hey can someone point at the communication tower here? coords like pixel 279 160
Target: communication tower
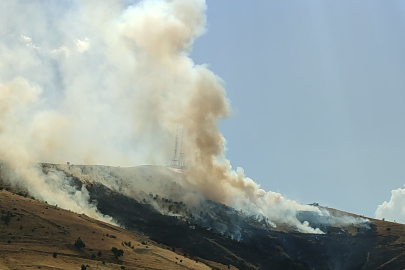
pixel 178 159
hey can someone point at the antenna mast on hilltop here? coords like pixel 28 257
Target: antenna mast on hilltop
pixel 182 158
pixel 175 161
pixel 178 160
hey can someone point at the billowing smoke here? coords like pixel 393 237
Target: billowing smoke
pixel 103 82
pixel 393 210
pixel 18 149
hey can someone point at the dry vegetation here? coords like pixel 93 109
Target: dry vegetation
pixel 35 235
pixel 36 231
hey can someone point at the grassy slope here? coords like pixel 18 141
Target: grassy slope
pixel 38 230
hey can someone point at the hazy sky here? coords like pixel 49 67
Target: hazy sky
pixel 317 90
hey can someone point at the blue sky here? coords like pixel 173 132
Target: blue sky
pixel 317 91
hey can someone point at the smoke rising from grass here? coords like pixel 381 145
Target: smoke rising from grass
pixel 99 82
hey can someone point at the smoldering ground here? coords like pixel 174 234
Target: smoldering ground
pixel 95 82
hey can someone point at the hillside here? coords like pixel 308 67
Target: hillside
pixel 153 204
pixel 37 230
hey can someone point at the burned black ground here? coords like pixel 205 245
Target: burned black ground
pixel 227 236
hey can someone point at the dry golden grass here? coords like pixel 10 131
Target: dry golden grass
pixel 38 230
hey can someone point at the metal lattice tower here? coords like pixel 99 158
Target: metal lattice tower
pixel 174 158
pixel 182 157
pixel 179 157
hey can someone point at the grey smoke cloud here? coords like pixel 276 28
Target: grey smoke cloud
pixel 95 82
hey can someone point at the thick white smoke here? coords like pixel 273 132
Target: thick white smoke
pixel 395 208
pixel 100 82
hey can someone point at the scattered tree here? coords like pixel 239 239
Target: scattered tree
pixel 55 254
pixel 99 253
pixel 6 218
pixel 388 229
pixel 83 267
pixel 93 256
pixel 79 243
pixel 117 252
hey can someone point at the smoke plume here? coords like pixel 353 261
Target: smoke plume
pixel 104 82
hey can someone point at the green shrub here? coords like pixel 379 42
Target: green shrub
pixel 93 256
pixel 6 218
pixel 55 254
pixel 83 267
pixel 128 244
pixel 79 243
pixel 22 194
pixel 117 252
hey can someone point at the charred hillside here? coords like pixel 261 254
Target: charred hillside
pixel 154 202
pixel 259 248
pixel 193 239
pixel 219 233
